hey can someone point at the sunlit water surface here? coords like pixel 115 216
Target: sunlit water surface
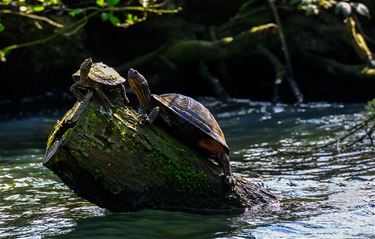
pixel 325 193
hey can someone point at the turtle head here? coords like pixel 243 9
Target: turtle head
pixel 139 85
pixel 84 69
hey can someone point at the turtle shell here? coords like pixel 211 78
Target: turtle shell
pixel 104 74
pixel 194 120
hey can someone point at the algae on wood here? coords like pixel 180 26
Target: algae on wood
pixel 120 165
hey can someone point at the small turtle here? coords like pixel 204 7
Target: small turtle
pixel 95 76
pixel 186 116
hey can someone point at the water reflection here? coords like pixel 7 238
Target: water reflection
pixel 151 224
pixel 326 193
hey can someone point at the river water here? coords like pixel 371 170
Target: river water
pixel 325 192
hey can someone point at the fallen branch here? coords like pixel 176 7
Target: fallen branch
pixel 364 125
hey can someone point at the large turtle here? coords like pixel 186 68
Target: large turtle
pixel 96 76
pixel 186 116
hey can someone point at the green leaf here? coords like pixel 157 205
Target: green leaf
pixel 6 2
pixel 344 9
pixel 2 56
pixel 361 9
pixel 100 3
pixel 7 49
pixel 38 8
pixel 75 11
pixel 104 16
pixel 112 2
pixel 130 19
pixel 2 27
pixel 114 20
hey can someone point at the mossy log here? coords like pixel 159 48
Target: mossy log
pixel 117 164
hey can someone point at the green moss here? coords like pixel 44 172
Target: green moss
pixel 116 127
pixel 67 133
pixel 87 145
pixel 166 157
pixel 121 130
pixel 91 115
pixel 61 126
pixel 52 136
pixel 179 172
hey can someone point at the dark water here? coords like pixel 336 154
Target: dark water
pixel 326 194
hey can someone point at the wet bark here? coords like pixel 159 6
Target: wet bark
pixel 120 165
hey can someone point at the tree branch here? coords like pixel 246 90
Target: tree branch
pixel 32 16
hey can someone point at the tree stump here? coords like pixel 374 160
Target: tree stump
pixel 118 164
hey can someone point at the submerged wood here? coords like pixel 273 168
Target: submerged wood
pixel 117 164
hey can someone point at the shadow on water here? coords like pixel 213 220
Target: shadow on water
pixel 325 193
pixel 151 224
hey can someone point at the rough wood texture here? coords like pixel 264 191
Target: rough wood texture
pixel 120 165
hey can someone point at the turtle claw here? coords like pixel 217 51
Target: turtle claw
pixel 144 120
pixel 230 181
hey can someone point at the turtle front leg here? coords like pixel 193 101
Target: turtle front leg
pixel 223 160
pixel 104 99
pixel 123 94
pixel 148 118
pixel 75 90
